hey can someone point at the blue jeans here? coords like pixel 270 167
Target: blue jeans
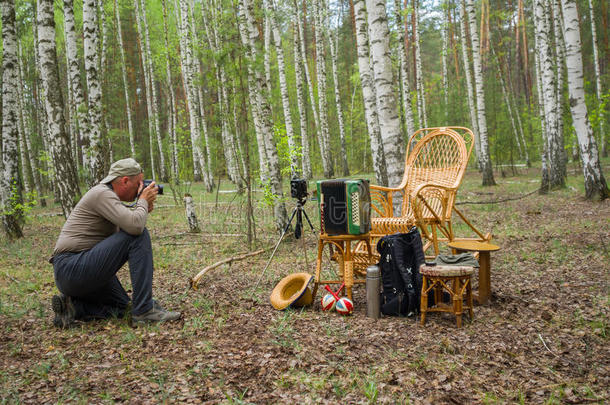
pixel 89 277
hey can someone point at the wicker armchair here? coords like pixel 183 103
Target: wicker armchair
pixel 434 169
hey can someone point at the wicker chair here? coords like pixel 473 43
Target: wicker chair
pixel 434 169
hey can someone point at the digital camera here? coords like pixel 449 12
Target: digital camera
pixel 159 186
pixel 298 188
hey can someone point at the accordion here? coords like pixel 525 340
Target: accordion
pixel 345 206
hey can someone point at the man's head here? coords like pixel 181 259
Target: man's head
pixel 125 176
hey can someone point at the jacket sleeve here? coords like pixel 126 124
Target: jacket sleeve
pixel 131 220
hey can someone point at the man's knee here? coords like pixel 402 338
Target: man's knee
pixel 141 240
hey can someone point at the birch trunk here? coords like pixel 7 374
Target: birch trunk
pixel 421 92
pixel 320 33
pixel 404 74
pixel 10 188
pixel 549 95
pixel 66 182
pixel 560 56
pixel 488 177
pixel 132 144
pixel 472 106
pixel 298 72
pixel 389 121
pixel 544 181
pixel 368 93
pixel 312 98
pixel 598 81
pixel 170 100
pixel 91 48
pixel 261 112
pixel 444 52
pixel 595 183
pixel 292 146
pixel 81 118
pixel 334 41
pixel 21 126
pixel 155 97
pixel 199 163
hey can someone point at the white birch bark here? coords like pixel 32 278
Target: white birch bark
pixel 389 121
pixel 10 187
pixel 595 183
pixel 472 105
pixel 132 144
pixel 298 72
pixel 404 73
pixel 261 111
pixel 66 182
pixel 544 181
pixel 369 93
pixel 334 42
pixel 21 126
pixel 444 53
pixel 324 140
pixel 292 145
pixel 170 100
pixel 155 97
pixel 76 90
pixel 267 51
pixel 559 89
pixel 199 164
pixel 549 95
pixel 598 79
pixel 91 48
pixel 421 91
pixel 486 167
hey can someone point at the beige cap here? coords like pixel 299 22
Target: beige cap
pixel 123 167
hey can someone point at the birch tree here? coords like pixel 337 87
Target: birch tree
pixel 485 159
pixel 595 183
pixel 10 187
pixel 81 118
pixel 598 80
pixel 119 33
pixel 472 106
pixel 298 73
pixel 421 92
pixel 549 96
pixel 334 39
pixel 91 48
pixel 369 94
pixel 389 121
pixel 404 73
pixel 170 99
pixel 261 113
pixel 66 182
pixel 319 27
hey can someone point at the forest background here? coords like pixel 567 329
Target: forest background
pixel 261 91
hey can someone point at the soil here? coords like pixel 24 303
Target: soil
pixel 544 338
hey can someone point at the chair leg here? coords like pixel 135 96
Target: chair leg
pixel 457 301
pixel 424 300
pixel 469 298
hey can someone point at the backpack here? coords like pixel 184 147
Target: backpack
pixel 401 255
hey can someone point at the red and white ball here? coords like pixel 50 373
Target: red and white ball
pixel 328 302
pixel 345 306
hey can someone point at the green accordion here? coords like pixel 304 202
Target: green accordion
pixel 344 206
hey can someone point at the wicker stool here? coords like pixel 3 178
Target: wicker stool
pixel 437 278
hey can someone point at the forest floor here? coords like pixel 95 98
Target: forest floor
pixel 544 338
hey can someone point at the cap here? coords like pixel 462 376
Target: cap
pixel 123 167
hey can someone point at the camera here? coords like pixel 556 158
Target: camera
pixel 159 186
pixel 298 188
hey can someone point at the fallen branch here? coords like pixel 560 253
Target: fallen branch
pixel 497 201
pixel 195 280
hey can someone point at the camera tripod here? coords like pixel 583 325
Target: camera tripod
pixel 297 212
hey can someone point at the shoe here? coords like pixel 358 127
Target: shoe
pixel 156 314
pixel 64 311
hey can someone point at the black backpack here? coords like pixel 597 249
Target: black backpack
pixel 401 255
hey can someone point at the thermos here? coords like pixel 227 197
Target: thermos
pixel 373 297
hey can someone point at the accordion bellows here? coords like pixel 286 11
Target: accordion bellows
pixel 345 206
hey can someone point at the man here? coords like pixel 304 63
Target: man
pixel 100 235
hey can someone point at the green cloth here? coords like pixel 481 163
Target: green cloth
pixel 463 259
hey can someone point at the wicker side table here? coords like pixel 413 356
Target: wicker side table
pixel 343 246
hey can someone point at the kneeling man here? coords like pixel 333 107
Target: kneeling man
pixel 100 235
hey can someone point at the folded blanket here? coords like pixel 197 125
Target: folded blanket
pixel 463 259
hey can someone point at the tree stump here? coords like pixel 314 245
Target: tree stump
pixel 191 217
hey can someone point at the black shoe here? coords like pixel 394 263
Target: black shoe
pixel 64 311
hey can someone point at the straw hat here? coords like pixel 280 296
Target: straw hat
pixel 292 290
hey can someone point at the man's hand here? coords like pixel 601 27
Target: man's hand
pixel 149 194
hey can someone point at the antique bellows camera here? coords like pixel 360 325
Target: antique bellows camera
pixel 298 188
pixel 345 206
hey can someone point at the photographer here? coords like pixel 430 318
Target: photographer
pixel 100 235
